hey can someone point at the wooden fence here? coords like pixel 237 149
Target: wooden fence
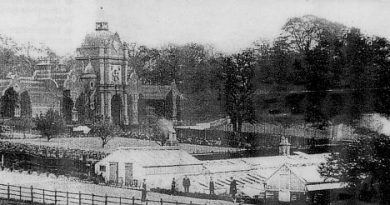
pixel 44 196
pixel 266 128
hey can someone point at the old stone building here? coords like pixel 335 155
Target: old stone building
pixel 100 85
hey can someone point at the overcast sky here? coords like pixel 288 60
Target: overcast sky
pixel 228 25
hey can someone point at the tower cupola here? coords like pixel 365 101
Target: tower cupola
pixel 101 23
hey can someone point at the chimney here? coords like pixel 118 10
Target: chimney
pixel 284 146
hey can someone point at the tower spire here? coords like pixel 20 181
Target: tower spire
pixel 101 23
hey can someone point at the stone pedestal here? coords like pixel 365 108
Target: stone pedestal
pixel 284 146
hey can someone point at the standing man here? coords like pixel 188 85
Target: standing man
pixel 173 186
pixel 233 188
pixel 211 186
pixel 185 185
pixel 188 184
pixel 143 197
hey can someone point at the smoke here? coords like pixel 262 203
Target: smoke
pixel 165 126
pixel 376 122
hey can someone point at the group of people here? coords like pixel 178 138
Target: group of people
pixel 187 184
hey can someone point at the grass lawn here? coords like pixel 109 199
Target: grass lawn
pixel 93 143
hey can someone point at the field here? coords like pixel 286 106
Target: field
pixel 91 143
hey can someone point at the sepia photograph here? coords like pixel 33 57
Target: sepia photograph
pixel 194 102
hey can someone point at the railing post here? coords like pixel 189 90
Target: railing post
pixel 190 202
pixel 93 199
pixel 67 198
pixel 79 198
pixel 161 201
pixel 43 196
pixel 20 193
pixel 8 191
pixel 32 194
pixel 55 197
pixel 177 203
pixel 105 200
pixel 120 200
pixel 132 199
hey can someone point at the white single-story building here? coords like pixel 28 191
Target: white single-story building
pixel 159 165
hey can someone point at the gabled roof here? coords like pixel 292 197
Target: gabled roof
pixel 153 157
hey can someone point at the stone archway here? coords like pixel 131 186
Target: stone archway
pixel 25 105
pixel 9 101
pixel 116 106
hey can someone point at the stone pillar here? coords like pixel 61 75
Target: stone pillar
pixel 134 106
pixel 108 101
pixel 101 65
pixel 174 106
pixel 126 110
pixel 102 104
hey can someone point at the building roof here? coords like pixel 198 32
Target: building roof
pixel 265 163
pixel 153 157
pixel 98 38
pixel 326 186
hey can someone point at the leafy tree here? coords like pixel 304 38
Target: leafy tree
pixel 239 90
pixel 364 165
pixel 50 124
pixel 105 131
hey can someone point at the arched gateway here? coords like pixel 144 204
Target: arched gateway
pixel 100 85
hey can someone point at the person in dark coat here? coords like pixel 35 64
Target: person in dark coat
pixel 143 197
pixel 233 188
pixel 186 184
pixel 211 186
pixel 173 186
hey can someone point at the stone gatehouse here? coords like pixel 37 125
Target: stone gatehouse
pixel 101 84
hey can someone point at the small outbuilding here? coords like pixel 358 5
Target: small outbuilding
pixel 159 165
pixel 300 185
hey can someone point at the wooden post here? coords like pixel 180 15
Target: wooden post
pixel 32 194
pixel 8 194
pixel 79 198
pixel 133 199
pixel 190 202
pixel 20 193
pixel 120 200
pixel 161 201
pixel 177 203
pixel 67 198
pixel 43 196
pixel 105 200
pixel 93 199
pixel 55 197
